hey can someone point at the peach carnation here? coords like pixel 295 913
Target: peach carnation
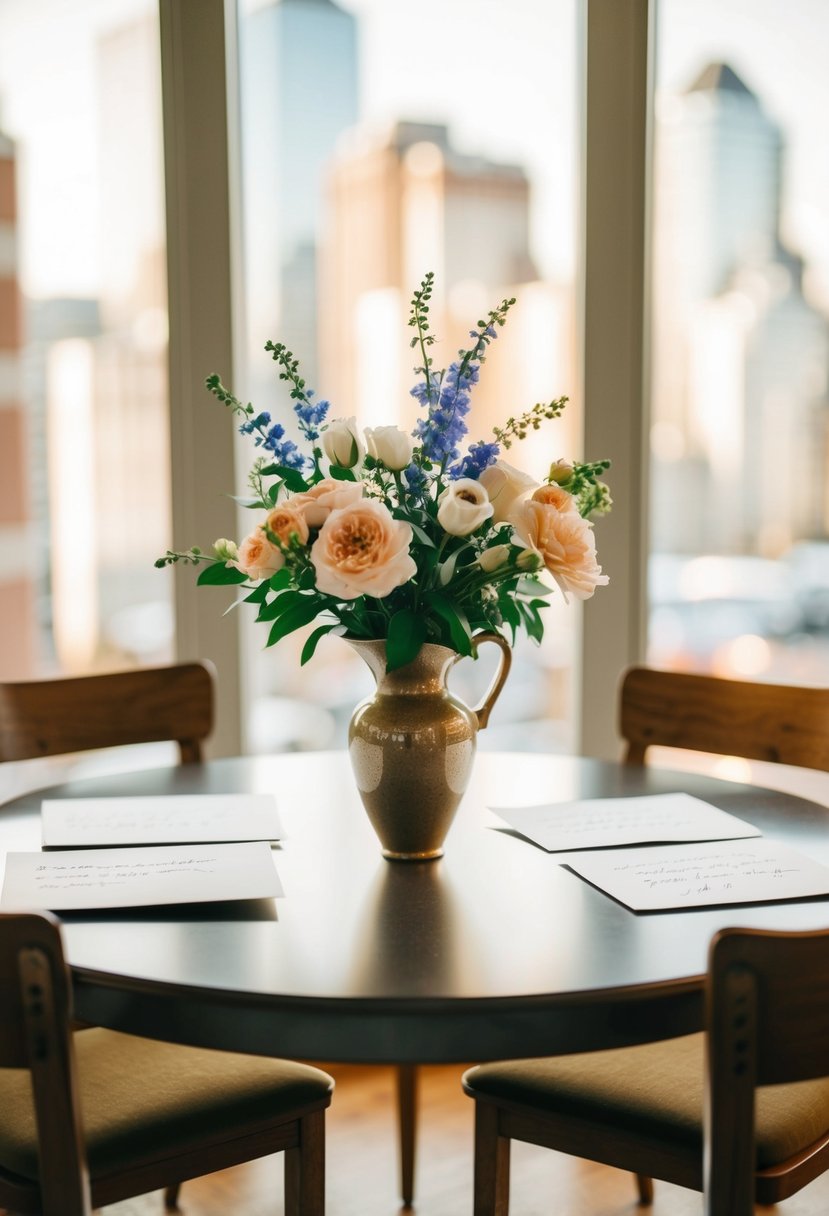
pixel 565 544
pixel 362 550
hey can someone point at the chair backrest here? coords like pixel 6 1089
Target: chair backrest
pixel 768 1022
pixel 774 722
pixel 147 705
pixel 35 1008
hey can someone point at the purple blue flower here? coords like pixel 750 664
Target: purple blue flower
pixel 479 457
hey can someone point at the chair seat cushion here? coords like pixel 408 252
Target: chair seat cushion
pixel 654 1090
pixel 140 1098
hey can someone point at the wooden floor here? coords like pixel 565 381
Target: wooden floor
pixel 361 1167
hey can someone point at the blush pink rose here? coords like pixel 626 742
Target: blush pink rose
pixel 554 496
pixel 257 557
pixel 565 543
pixel 286 521
pixel 362 550
pixel 326 496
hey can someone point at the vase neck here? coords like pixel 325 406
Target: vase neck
pixel 426 674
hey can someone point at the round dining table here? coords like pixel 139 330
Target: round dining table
pixel 496 950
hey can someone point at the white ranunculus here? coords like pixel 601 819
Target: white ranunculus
pixel 341 443
pixel 463 507
pixel 391 445
pixel 505 486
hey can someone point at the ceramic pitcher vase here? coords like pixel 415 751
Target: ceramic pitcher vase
pixel 412 745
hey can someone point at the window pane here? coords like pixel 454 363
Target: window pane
pixel 84 483
pixel 381 142
pixel 740 565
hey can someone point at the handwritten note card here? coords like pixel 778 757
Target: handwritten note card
pixel 698 875
pixel 139 877
pixel 178 819
pixel 607 822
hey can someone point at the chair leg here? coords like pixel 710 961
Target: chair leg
pixel 407 1124
pixel 171 1197
pixel 305 1169
pixel 645 1187
pixel 491 1164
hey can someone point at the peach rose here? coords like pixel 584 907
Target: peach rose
pixel 286 521
pixel 505 485
pixel 326 496
pixel 258 558
pixel 554 496
pixel 565 543
pixel 362 550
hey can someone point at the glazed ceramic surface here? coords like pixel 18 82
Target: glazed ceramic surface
pixel 412 745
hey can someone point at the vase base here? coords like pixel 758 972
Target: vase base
pixel 427 855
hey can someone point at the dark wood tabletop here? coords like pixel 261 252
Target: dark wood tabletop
pixel 495 950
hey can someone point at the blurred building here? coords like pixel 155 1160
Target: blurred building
pixel 299 88
pixel 404 202
pixel 18 647
pixel 740 381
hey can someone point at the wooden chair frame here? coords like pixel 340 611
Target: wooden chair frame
pixel 767 1016
pixel 777 723
pixel 149 705
pixel 35 1034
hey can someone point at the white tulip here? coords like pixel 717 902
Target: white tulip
pixel 391 445
pixel 341 443
pixel 494 558
pixel 463 507
pixel 505 486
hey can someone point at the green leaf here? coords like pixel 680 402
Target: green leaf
pixel 250 503
pixel 300 614
pixel 293 479
pixel 420 533
pixel 279 604
pixel 219 574
pixel 407 633
pixel 460 631
pixel 340 474
pixel 258 595
pixel 446 569
pixel 532 586
pixel 280 580
pixel 311 644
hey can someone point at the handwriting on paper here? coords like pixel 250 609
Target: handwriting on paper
pixel 136 877
pixel 690 876
pixel 608 822
pixel 175 819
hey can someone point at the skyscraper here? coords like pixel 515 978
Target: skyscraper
pixel 740 374
pixel 299 93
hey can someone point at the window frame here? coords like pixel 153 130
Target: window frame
pixel 200 94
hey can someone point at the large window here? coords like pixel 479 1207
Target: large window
pixel 84 465
pixel 380 142
pixel 740 520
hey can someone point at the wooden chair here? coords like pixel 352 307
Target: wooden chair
pixel 772 722
pixel 688 1110
pixel 93 1118
pixel 148 705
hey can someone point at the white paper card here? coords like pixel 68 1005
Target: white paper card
pixel 177 819
pixel 697 875
pixel 81 879
pixel 601 823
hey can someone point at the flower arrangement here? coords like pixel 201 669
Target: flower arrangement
pixel 396 536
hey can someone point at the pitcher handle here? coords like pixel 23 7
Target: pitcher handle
pixel 484 709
